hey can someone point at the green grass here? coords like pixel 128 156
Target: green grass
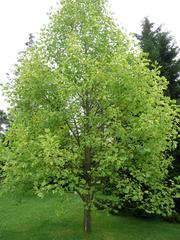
pixel 56 218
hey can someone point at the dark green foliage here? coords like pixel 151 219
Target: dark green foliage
pixel 4 124
pixel 161 48
pixel 138 196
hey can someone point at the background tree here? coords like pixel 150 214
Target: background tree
pixel 84 106
pixel 161 48
pixel 4 123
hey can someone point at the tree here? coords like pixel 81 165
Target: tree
pixel 84 105
pixel 161 48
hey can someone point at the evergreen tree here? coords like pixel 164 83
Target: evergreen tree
pixel 161 48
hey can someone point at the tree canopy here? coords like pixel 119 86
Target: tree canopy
pixel 162 49
pixel 85 105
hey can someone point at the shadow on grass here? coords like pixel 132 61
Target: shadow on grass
pixel 54 219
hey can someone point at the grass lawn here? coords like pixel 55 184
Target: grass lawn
pixel 57 218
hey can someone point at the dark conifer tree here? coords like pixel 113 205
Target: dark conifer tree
pixel 162 49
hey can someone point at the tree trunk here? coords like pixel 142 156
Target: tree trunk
pixel 87 220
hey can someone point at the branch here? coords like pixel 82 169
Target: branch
pixel 76 128
pixel 75 136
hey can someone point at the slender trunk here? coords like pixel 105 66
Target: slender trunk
pixel 87 220
pixel 87 196
pixel 87 174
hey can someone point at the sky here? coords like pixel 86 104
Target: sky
pixel 18 18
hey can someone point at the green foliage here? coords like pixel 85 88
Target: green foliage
pixel 139 195
pixel 85 105
pixel 162 49
pixel 4 124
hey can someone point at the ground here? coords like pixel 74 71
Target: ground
pixel 60 218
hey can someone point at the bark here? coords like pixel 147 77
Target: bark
pixel 87 175
pixel 87 197
pixel 87 220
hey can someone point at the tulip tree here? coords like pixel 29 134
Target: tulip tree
pixel 85 105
